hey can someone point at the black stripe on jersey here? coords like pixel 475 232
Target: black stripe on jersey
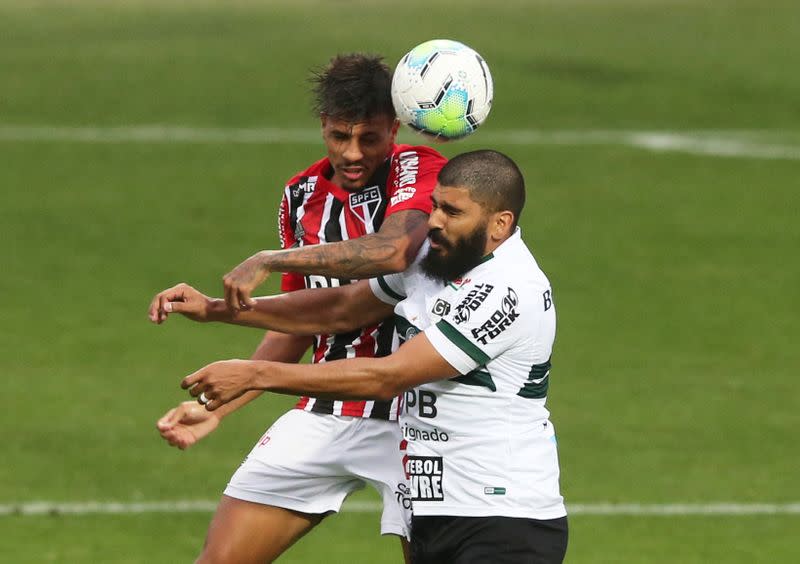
pixel 384 338
pixel 333 230
pixel 380 178
pixel 322 406
pixel 297 196
pixel 381 410
pixel 338 348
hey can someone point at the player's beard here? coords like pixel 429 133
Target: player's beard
pixel 461 257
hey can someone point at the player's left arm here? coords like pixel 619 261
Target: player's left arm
pixel 414 363
pixel 391 249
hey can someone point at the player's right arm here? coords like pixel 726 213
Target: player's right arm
pixel 189 422
pixel 303 312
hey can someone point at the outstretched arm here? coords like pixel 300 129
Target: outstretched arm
pixel 392 249
pixel 415 363
pixel 304 312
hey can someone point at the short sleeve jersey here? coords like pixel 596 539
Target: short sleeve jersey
pixel 314 210
pixel 481 443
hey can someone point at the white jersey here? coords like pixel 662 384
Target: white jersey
pixel 481 444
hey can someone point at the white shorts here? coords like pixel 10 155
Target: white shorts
pixel 310 462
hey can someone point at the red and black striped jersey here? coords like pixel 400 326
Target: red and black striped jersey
pixel 314 211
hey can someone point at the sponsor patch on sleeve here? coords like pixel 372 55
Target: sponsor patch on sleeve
pixel 500 320
pixel 472 302
pixel 403 194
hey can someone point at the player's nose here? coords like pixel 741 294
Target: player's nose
pixel 353 152
pixel 436 219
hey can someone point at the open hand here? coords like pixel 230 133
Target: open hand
pixel 186 424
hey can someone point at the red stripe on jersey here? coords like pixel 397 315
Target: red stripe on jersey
pixel 320 348
pixel 366 345
pixel 353 408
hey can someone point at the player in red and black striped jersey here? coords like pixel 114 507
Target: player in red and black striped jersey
pixel 315 210
pixel 359 213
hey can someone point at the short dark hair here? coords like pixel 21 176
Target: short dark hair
pixel 353 87
pixel 492 178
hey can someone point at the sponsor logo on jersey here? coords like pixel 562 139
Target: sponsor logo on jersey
pixel 425 476
pixel 472 302
pixel 403 495
pixel 440 308
pixel 410 332
pixel 304 187
pixel 299 233
pixel 500 320
pixel 432 435
pixel 365 203
pixel 494 491
pixel 547 298
pixel 405 330
pixel 403 194
pixel 423 402
pixel 407 168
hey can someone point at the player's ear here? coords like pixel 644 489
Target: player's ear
pixel 501 225
pixel 323 119
pixel 395 128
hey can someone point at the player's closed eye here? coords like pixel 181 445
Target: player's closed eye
pixel 450 210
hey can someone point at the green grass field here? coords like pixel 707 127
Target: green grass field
pixel 674 259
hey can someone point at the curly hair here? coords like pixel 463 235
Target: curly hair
pixel 353 87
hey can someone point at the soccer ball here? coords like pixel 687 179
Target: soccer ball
pixel 443 89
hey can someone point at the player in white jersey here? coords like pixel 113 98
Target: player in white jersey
pixel 478 320
pixel 496 326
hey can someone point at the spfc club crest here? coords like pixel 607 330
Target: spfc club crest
pixel 365 203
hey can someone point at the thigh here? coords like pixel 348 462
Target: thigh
pixel 245 532
pixel 374 455
pixel 488 540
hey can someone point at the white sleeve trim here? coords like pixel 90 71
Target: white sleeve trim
pixel 382 289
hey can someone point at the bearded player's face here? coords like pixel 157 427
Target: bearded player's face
pixel 357 149
pixel 457 234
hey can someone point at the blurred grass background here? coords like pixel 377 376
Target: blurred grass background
pixel 675 274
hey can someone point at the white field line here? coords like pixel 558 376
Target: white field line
pixel 206 506
pixel 741 144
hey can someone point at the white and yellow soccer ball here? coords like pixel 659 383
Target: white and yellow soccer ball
pixel 443 89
